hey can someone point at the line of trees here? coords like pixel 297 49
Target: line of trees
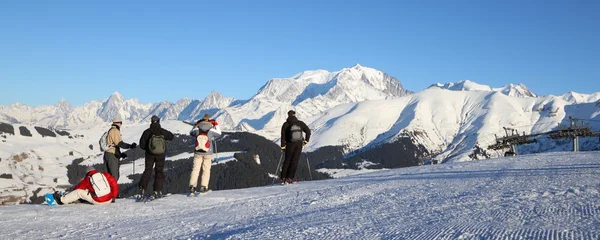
pixel 7 128
pixel 24 131
pixel 401 153
pixel 45 132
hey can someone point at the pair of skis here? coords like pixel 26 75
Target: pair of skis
pixel 196 194
pixel 149 198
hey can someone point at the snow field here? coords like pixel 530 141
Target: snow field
pixel 542 196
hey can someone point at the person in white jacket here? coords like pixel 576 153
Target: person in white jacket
pixel 205 131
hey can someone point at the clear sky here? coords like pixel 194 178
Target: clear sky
pixel 166 50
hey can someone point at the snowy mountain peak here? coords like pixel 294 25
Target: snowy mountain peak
pixel 216 100
pixel 114 99
pixel 116 96
pixel 214 94
pixel 353 84
pixel 580 98
pixel 463 85
pixel 183 101
pixel 64 106
pixel 519 90
pixel 117 106
pixel 194 109
pixel 18 105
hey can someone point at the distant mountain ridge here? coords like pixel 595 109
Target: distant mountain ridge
pixel 357 107
pixel 309 92
pixel 518 90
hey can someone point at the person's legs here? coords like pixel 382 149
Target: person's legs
pixel 149 164
pixel 74 196
pixel 196 170
pixel 112 164
pixel 159 174
pixel 286 161
pixel 296 151
pixel 78 194
pixel 206 165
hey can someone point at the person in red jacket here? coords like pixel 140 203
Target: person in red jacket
pixel 93 183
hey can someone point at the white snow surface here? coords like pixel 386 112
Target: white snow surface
pixel 542 196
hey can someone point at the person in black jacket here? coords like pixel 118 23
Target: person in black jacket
pixel 153 141
pixel 291 143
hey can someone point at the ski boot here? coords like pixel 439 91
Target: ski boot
pixel 192 191
pixel 143 196
pixel 57 195
pixel 141 193
pixel 157 194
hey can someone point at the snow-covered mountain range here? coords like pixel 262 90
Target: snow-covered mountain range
pixel 518 90
pixel 449 124
pixel 357 107
pixel 309 92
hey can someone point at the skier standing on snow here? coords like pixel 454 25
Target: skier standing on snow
pixel 96 188
pixel 292 142
pixel 154 142
pixel 115 143
pixel 205 131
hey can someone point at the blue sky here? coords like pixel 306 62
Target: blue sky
pixel 159 50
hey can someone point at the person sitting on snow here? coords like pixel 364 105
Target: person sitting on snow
pixel 96 188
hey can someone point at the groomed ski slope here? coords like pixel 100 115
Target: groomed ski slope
pixel 543 196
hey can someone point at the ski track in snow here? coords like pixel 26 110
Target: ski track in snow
pixel 545 196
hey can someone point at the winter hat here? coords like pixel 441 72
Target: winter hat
pixel 206 117
pixel 117 120
pixel 154 119
pixel 291 113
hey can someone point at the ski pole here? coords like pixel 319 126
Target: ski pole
pixel 308 165
pixel 277 169
pixel 216 151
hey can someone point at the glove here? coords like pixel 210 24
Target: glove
pixel 304 143
pixel 283 148
pixel 133 145
pixel 214 122
pixel 123 155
